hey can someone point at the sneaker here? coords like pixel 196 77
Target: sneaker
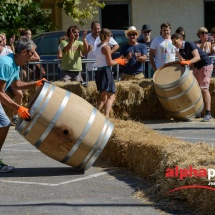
pixel 4 167
pixel 15 119
pixel 207 118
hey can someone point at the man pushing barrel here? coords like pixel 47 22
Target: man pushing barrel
pixel 9 75
pixel 191 54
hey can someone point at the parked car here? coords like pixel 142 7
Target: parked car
pixel 47 45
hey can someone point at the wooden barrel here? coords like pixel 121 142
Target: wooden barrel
pixel 178 90
pixel 65 127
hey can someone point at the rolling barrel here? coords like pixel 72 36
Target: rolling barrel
pixel 65 127
pixel 178 90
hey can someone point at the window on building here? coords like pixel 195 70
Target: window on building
pixel 115 15
pixel 209 11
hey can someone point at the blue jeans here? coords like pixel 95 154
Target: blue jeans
pixel 4 120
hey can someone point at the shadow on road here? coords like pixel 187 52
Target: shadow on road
pixel 40 172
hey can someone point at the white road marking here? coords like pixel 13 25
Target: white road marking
pixel 16 144
pixel 62 183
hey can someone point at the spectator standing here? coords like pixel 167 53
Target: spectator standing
pixel 213 48
pixel 59 53
pixel 147 40
pixel 213 40
pixel 4 50
pixel 203 42
pixel 27 33
pixel 9 75
pixel 103 75
pixel 135 53
pixel 162 51
pixel 93 39
pixel 72 50
pixel 12 40
pixel 190 53
pixel 180 30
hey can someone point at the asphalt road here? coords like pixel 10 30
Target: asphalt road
pixel 40 185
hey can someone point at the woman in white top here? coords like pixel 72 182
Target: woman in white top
pixel 103 75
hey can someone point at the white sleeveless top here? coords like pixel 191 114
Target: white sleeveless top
pixel 100 58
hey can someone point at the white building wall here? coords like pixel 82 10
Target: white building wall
pixel 188 14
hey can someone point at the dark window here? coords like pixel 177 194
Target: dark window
pixel 115 16
pixel 209 14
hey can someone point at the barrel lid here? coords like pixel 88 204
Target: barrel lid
pixel 169 73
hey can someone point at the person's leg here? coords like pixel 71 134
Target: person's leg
pixel 4 128
pixel 102 99
pixel 108 105
pixel 3 135
pixel 205 74
pixel 207 97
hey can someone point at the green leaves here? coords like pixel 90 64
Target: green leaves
pixel 81 16
pixel 23 14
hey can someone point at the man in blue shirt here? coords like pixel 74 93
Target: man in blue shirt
pixel 9 75
pixel 191 54
pixel 135 53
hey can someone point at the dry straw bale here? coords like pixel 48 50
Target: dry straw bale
pixel 145 152
pixel 148 154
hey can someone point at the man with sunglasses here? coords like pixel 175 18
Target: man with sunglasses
pixel 147 40
pixel 9 75
pixel 191 54
pixel 135 53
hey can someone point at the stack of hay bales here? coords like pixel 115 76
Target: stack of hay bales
pixel 149 154
pixel 144 151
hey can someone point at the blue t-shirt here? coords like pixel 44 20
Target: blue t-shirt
pixel 9 71
pixel 133 66
pixel 186 53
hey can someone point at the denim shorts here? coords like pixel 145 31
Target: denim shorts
pixel 4 120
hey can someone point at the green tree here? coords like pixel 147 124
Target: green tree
pixel 23 14
pixel 81 16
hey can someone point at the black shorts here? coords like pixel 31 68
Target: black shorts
pixel 105 80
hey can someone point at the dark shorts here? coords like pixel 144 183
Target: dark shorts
pixel 69 76
pixel 105 81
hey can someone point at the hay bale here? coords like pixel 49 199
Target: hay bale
pixel 149 154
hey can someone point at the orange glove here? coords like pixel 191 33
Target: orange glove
pixel 121 61
pixel 185 62
pixel 23 112
pixel 40 82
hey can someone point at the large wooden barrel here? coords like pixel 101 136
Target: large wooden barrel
pixel 178 90
pixel 65 127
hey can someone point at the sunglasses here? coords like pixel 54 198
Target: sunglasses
pixel 174 43
pixel 204 33
pixel 132 35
